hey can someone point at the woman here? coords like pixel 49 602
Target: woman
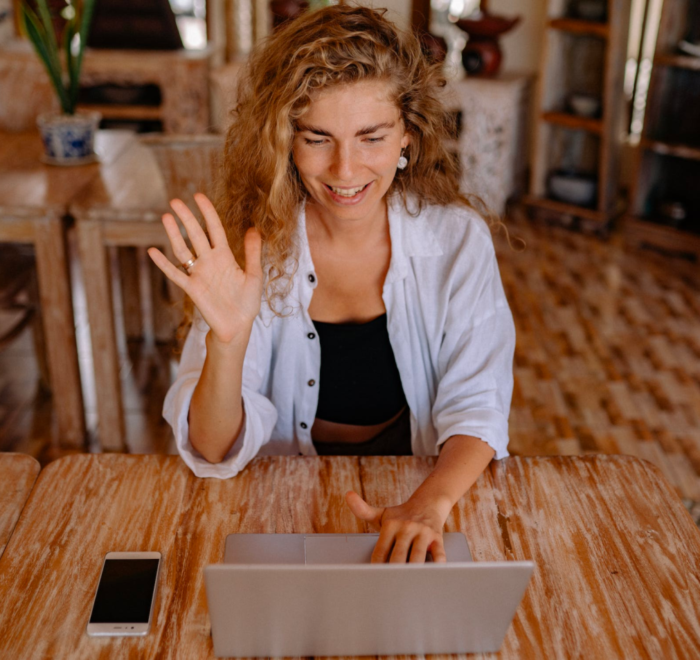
pixel 369 317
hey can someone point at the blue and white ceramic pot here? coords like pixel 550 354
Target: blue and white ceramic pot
pixel 69 139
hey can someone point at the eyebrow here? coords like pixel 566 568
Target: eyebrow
pixel 367 130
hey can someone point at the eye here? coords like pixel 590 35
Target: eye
pixel 375 140
pixel 313 142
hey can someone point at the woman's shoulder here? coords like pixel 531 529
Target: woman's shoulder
pixel 457 228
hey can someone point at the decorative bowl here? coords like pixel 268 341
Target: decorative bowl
pixel 485 25
pixel 584 105
pixel 573 187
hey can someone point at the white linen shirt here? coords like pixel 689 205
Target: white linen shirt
pixel 449 326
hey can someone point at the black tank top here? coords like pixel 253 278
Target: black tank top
pixel 359 382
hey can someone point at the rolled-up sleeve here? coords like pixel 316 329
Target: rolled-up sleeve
pixel 260 413
pixel 475 359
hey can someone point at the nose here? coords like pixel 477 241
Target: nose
pixel 344 163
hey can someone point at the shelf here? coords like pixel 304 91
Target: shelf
pixel 109 111
pixel 574 122
pixel 678 61
pixel 668 149
pixel 581 57
pixel 662 236
pixel 566 209
pixel 581 27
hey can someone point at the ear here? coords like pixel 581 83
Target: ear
pixel 405 140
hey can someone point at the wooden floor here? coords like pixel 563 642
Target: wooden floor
pixel 607 359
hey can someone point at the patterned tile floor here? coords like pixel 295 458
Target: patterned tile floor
pixel 608 350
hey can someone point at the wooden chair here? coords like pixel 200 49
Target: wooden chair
pixel 188 163
pixel 19 300
pixel 154 171
pixel 25 96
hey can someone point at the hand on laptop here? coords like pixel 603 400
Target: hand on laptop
pixel 406 532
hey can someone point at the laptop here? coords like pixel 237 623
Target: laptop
pixel 305 595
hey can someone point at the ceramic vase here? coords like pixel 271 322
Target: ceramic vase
pixel 69 139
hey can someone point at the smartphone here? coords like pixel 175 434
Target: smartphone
pixel 125 595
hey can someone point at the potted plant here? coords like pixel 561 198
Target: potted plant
pixel 69 137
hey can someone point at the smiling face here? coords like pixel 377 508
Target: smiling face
pixel 346 149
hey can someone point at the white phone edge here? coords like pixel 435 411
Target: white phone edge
pixel 120 629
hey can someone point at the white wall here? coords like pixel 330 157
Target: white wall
pixel 399 11
pixel 522 46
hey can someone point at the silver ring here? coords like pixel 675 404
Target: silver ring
pixel 187 265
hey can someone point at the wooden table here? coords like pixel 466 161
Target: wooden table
pixel 34 200
pixel 18 473
pixel 617 556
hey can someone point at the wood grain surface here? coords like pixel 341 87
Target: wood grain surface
pixel 617 555
pixel 27 186
pixel 18 473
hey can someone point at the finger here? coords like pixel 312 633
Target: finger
pixel 199 239
pixel 180 250
pixel 252 244
pixel 437 550
pixel 382 549
pixel 217 235
pixel 363 510
pixel 419 549
pixel 170 271
pixel 399 554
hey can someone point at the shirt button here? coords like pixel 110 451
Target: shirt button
pixel 311 335
pixel 312 278
pixel 303 425
pixel 312 383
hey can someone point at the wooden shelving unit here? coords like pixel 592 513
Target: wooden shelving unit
pixel 667 159
pixel 181 76
pixel 580 57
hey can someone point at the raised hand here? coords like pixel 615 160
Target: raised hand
pixel 227 296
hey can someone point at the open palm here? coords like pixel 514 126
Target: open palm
pixel 227 296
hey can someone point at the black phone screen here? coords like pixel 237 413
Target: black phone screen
pixel 125 591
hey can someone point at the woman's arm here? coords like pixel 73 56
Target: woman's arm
pixel 216 411
pixel 228 299
pixel 417 524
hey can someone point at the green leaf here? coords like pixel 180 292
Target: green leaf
pixel 50 36
pixel 68 34
pixel 85 17
pixel 37 35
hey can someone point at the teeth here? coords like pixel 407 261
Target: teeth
pixel 347 192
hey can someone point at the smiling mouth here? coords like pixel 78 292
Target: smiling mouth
pixel 346 192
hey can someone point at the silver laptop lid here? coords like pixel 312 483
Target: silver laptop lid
pixel 290 605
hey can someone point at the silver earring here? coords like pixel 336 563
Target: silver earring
pixel 403 161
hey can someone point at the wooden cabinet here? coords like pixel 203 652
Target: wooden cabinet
pixel 579 115
pixel 665 203
pixel 180 76
pixel 491 143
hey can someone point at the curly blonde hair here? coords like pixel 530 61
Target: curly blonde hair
pixel 338 45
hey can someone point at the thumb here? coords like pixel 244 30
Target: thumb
pixel 252 244
pixel 362 510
